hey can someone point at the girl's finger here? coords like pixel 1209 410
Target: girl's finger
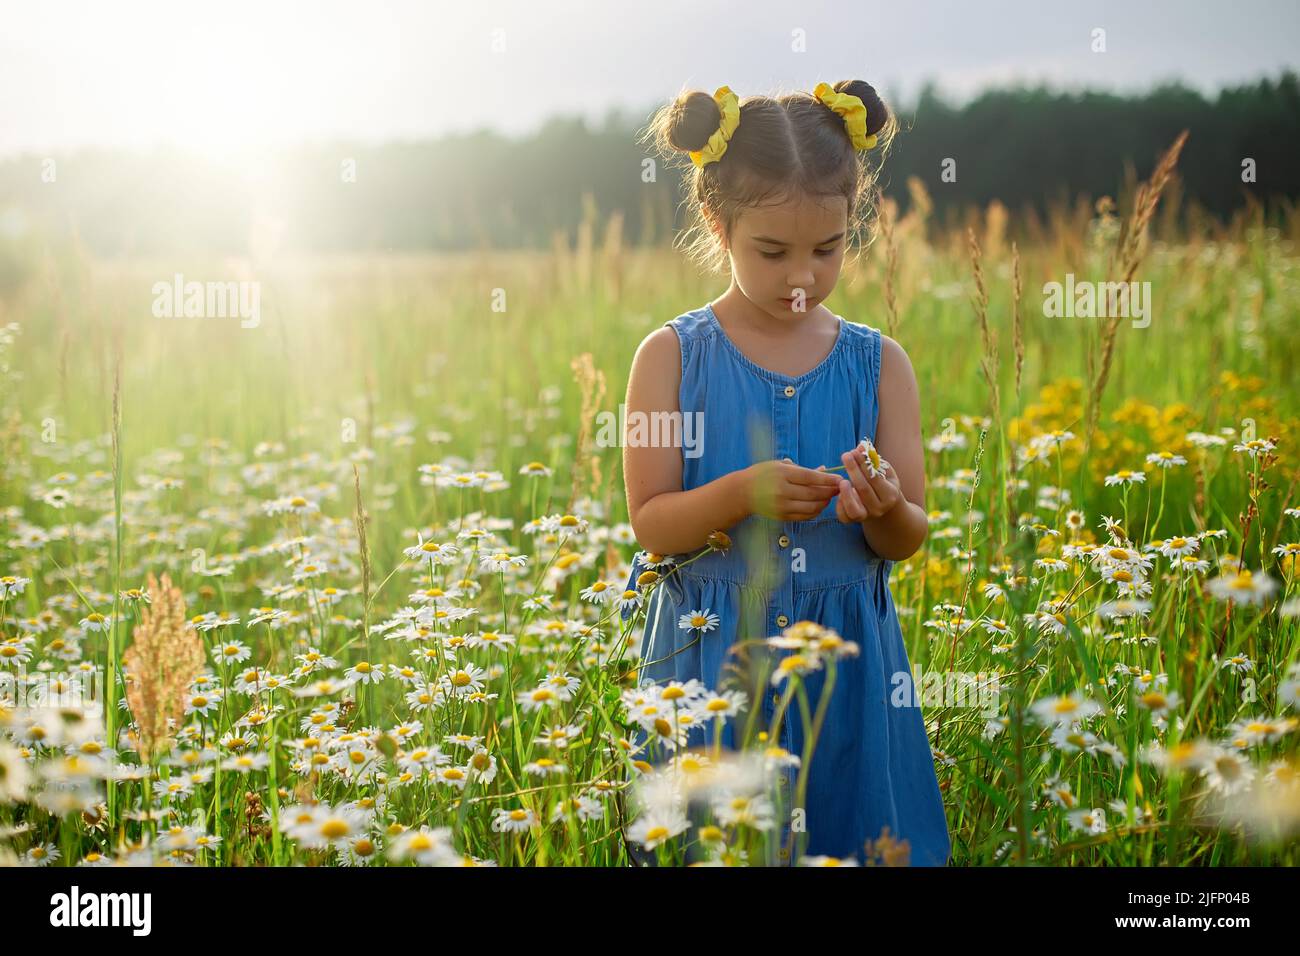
pixel 865 495
pixel 853 504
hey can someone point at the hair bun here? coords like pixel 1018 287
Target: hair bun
pixel 877 111
pixel 693 119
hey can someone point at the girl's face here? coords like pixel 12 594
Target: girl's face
pixel 778 250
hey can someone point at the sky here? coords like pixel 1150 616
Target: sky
pixel 234 76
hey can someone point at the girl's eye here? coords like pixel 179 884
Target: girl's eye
pixel 777 255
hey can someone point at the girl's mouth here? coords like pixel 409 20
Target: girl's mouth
pixel 808 301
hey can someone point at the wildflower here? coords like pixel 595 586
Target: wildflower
pixel 1164 459
pixel 1088 821
pixel 1239 663
pixel 1064 709
pixel 535 469
pixel 432 552
pixel 700 622
pixel 203 702
pixel 426 846
pixel 874 465
pixel 1157 701
pixel 517 820
pixel 1254 447
pixel 795 664
pixel 657 826
pixel 537 698
pixel 1243 587
pixel 544 766
pixel 1174 548
pixel 600 592
pixel 232 652
pixel 500 561
pixel 12 584
pixel 1125 477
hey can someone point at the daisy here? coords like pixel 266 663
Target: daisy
pixel 1125 477
pixel 15 651
pixel 537 698
pixel 1059 792
pixel 482 766
pixel 11 585
pixel 563 685
pixel 698 621
pixel 601 592
pixel 426 846
pixel 727 703
pixel 1202 440
pixel 42 854
pixel 500 561
pixel 330 826
pixel 1227 771
pixel 1239 663
pixel 795 664
pixel 874 465
pixel 364 672
pixel 1251 731
pixel 657 826
pixel 232 652
pixel 1122 557
pixel 517 820
pixel 535 469
pixel 1064 709
pixel 464 680
pixel 203 702
pixel 244 763
pixel 1157 701
pixel 489 639
pixel 1254 447
pixel 432 551
pixel 1192 564
pixel 1174 548
pixel 322 688
pixel 1164 459
pixel 828 861
pixel 95 621
pixel 996 626
pixel 1243 587
pixel 544 766
pixel 1088 821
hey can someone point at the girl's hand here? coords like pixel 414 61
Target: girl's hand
pixel 787 492
pixel 861 497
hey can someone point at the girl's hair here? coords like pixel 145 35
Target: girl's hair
pixel 784 147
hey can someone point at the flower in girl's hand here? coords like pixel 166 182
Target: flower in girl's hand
pixel 698 621
pixel 870 487
pixel 874 466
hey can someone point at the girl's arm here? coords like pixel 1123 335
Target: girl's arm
pixel 665 519
pixel 897 533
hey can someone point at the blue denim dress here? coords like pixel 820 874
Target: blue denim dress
pixel 872 766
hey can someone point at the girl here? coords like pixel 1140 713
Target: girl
pixel 778 385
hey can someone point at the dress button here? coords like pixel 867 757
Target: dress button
pixel 783 541
pixel 782 620
pixel 789 391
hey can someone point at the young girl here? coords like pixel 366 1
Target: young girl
pixel 783 390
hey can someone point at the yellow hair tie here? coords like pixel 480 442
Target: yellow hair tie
pixel 853 112
pixel 729 104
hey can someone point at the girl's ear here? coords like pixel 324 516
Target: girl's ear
pixel 718 232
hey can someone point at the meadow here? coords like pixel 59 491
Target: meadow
pixel 345 588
